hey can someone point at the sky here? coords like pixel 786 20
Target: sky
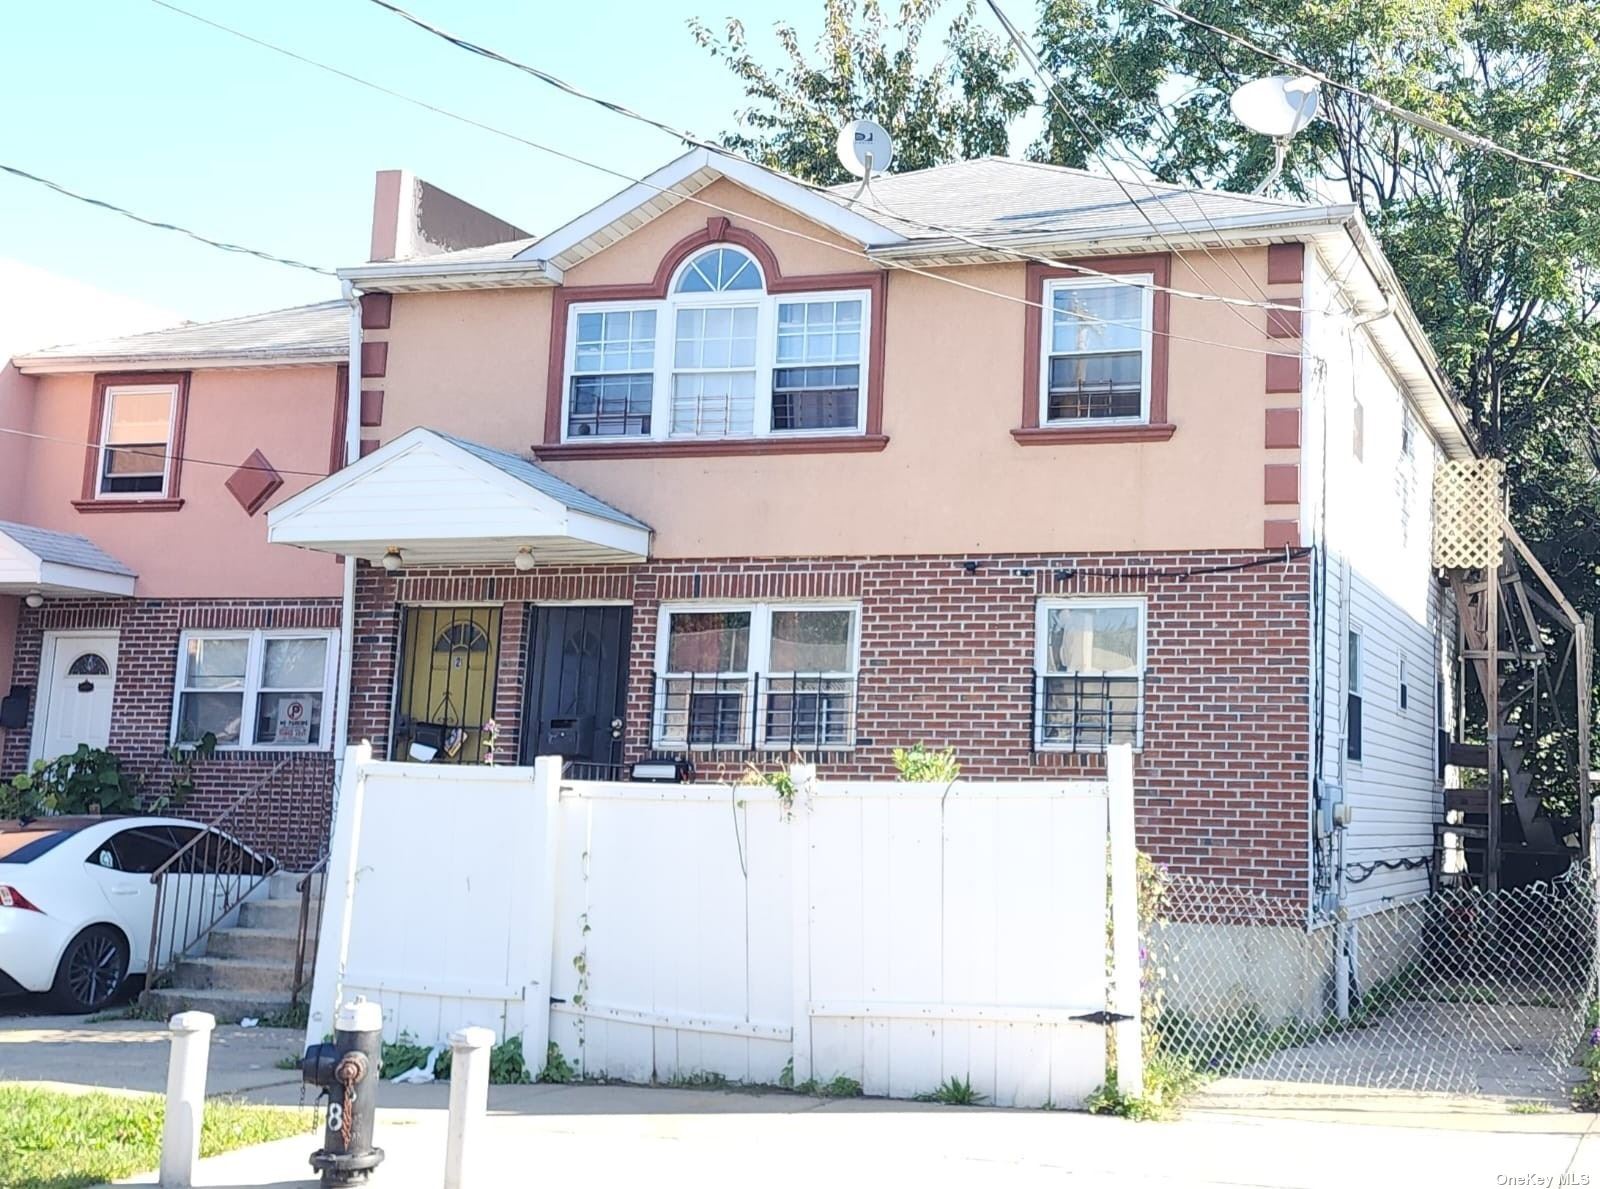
pixel 127 101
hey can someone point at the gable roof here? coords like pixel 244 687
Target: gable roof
pixel 39 559
pixel 535 476
pixel 68 549
pixel 301 334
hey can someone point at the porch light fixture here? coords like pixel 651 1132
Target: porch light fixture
pixel 392 560
pixel 524 559
pixel 34 599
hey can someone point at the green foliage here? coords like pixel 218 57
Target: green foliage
pixel 556 1067
pixel 777 779
pixel 957 106
pixel 405 1053
pixel 954 1092
pixel 180 781
pixel 290 1017
pixel 838 1087
pixel 1166 1080
pixel 506 1064
pixel 697 1080
pixel 51 1140
pixel 89 780
pixel 921 763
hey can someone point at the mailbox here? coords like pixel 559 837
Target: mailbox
pixel 14 708
pixel 567 736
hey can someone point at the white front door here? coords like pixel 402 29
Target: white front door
pixel 76 699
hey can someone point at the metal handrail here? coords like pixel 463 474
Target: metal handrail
pixel 237 870
pixel 303 889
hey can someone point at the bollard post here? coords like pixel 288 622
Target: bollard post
pixel 469 1099
pixel 186 1097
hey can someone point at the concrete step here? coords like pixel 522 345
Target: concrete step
pixel 229 1007
pixel 233 974
pixel 282 885
pixel 267 945
pixel 278 915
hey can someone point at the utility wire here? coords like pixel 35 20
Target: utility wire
pixel 1427 123
pixel 187 459
pixel 163 226
pixel 680 134
pixel 899 266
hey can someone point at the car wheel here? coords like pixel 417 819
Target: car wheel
pixel 92 969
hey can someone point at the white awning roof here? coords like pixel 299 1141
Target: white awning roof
pixel 40 561
pixel 441 500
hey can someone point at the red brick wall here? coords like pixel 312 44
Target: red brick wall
pixel 946 657
pixel 291 821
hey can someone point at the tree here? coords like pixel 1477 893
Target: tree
pixel 960 105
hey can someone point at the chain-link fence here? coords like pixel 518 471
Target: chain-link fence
pixel 1463 992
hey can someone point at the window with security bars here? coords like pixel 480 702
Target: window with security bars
pixel 612 388
pixel 714 372
pixel 816 383
pixel 1089 676
pixel 757 676
pixel 1096 350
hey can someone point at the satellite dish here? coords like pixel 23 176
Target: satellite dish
pixel 1278 107
pixel 865 148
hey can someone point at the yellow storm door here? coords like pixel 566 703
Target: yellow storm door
pixel 448 660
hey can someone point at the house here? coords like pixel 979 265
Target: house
pixel 140 605
pixel 730 467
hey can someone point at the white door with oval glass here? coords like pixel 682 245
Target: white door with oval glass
pixel 75 701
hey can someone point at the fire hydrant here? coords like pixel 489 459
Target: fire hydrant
pixel 346 1071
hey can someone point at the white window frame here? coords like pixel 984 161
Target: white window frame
pixel 252 684
pixel 1146 281
pixel 1041 658
pixel 1355 661
pixel 766 303
pixel 759 649
pixel 108 403
pixel 1402 689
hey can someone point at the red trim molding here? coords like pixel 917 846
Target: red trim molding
pixel 1280 534
pixel 1283 429
pixel 718 229
pixel 371 408
pixel 1057 435
pixel 374 359
pixel 1281 483
pixel 91 453
pixel 1159 265
pixel 1283 373
pixel 254 483
pixel 341 410
pixel 694 448
pixel 375 310
pixel 1284 324
pixel 1285 264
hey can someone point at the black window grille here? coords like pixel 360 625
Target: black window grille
pixel 610 406
pixel 825 397
pixel 714 712
pixel 1095 386
pixel 802 711
pixel 1084 713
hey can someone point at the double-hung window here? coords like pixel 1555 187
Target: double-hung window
pixel 756 675
pixel 1352 699
pixel 135 437
pixel 1096 350
pixel 1090 663
pixel 255 689
pixel 718 358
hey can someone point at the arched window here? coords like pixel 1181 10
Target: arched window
pixel 719 270
pixel 90 664
pixel 718 356
pixel 462 637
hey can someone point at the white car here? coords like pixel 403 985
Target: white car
pixel 77 902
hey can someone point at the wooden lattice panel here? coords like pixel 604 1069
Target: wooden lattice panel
pixel 1467 503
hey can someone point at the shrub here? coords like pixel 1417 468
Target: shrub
pixel 920 763
pixel 89 780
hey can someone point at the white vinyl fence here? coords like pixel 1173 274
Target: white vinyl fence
pixel 896 935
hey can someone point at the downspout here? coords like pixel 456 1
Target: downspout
pixel 347 611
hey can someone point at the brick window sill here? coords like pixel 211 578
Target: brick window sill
pixel 1054 435
pixel 854 444
pixel 127 505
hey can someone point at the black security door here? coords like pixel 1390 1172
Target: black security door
pixel 578 687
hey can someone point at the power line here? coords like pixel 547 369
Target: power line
pixel 163 226
pixel 187 459
pixel 621 175
pixel 574 90
pixel 1427 123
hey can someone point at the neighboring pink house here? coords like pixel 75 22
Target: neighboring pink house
pixel 139 602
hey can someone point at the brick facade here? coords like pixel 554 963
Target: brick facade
pixel 946 659
pixel 292 821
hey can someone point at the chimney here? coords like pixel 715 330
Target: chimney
pixel 411 218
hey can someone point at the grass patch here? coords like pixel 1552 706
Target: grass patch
pixel 287 1062
pixel 1530 1108
pixel 50 1140
pixel 1166 1081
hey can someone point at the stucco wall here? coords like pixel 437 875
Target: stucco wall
pixel 210 547
pixel 952 477
pixel 16 414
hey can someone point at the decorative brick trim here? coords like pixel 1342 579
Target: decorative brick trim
pixel 1159 265
pixel 1089 434
pixel 374 359
pixel 341 413
pixel 718 229
pixel 1283 429
pixel 97 417
pixel 1285 264
pixel 1283 373
pixel 371 408
pixel 375 310
pixel 1281 534
pixel 1282 483
pixel 1284 324
pixel 368 445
